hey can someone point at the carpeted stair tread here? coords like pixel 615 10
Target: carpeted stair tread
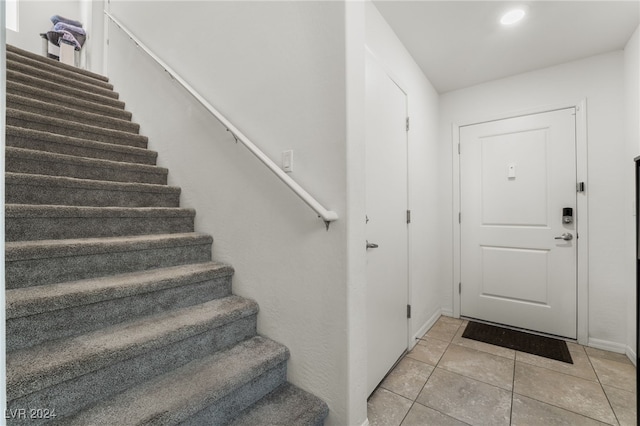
pixel 56 311
pixel 60 89
pixel 286 405
pixel 20 160
pixel 21 137
pixel 41 108
pixel 28 301
pixel 32 369
pixel 59 126
pixel 178 395
pixel 22 188
pixel 114 109
pixel 57 64
pixel 32 263
pixel 27 222
pixel 47 71
pixel 61 79
pixel 45 249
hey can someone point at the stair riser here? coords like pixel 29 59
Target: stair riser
pixel 44 60
pixel 55 88
pixel 68 82
pixel 72 196
pixel 30 66
pixel 72 396
pixel 30 272
pixel 80 148
pixel 35 165
pixel 34 329
pixel 81 132
pixel 58 228
pixel 227 408
pixel 113 109
pixel 49 110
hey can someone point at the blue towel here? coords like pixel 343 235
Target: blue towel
pixel 57 18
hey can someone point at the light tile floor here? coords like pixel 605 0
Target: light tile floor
pixel 449 380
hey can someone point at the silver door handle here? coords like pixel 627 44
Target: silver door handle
pixel 567 236
pixel 371 245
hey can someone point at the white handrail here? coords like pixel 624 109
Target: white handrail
pixel 327 216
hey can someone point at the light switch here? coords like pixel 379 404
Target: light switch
pixel 511 171
pixel 287 161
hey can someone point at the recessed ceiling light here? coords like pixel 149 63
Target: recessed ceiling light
pixel 512 16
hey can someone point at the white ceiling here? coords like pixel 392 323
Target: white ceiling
pixel 461 43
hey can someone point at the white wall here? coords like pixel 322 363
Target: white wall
pixel 425 251
pixel 600 80
pixel 356 210
pixel 34 19
pixel 92 17
pixel 632 128
pixel 277 71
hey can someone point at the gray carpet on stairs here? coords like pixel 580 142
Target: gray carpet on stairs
pixel 116 312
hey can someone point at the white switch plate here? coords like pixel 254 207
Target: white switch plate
pixel 511 173
pixel 287 161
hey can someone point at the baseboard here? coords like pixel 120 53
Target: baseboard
pixel 426 326
pixel 607 346
pixel 447 312
pixel 366 422
pixel 631 354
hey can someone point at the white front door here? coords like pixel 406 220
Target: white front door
pixel 518 255
pixel 386 206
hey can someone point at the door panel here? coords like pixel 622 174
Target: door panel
pixel 516 176
pixel 386 205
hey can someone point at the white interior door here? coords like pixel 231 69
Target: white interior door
pixel 386 205
pixel 516 177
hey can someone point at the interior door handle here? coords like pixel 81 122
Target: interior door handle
pixel 371 245
pixel 567 236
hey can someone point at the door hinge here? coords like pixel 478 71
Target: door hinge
pixel 459 217
pixel 460 288
pixel 407 124
pixel 408 216
pixel 580 187
pixel 408 311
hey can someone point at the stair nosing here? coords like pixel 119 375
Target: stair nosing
pixel 260 354
pixel 31 179
pixel 100 118
pixel 18 131
pixel 78 103
pixel 46 60
pixel 22 302
pixel 16 251
pixel 53 121
pixel 54 157
pixel 82 94
pixel 13 210
pixel 15 59
pixel 50 363
pixel 68 82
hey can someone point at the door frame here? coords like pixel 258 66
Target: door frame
pixel 373 55
pixel 582 200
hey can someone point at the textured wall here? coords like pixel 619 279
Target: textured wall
pixel 277 71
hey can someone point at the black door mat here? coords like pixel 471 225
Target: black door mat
pixel 520 341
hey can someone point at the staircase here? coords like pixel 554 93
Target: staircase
pixel 116 313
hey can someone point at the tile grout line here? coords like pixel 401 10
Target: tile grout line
pixel 513 388
pixel 602 387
